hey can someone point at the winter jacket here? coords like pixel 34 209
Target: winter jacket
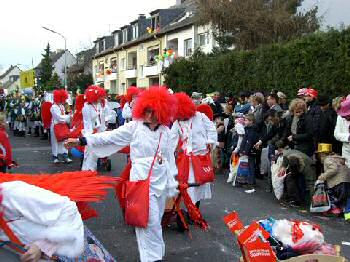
pixel 249 140
pixel 275 134
pixel 335 171
pixel 303 139
pixel 314 113
pixel 342 134
pixel 242 108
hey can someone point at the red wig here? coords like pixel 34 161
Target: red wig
pixel 207 110
pixel 60 96
pixel 185 106
pixel 92 94
pixel 102 93
pixel 160 101
pixel 131 92
pixel 46 115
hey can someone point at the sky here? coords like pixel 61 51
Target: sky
pixel 22 40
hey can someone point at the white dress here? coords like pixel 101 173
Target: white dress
pixel 58 116
pixel 143 145
pixel 39 216
pixel 196 133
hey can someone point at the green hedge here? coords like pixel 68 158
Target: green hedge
pixel 321 60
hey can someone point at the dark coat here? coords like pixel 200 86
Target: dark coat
pixel 303 139
pixel 250 138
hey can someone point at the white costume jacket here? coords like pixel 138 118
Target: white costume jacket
pixel 196 134
pixel 58 116
pixel 127 112
pixel 143 146
pixel 39 216
pixel 93 118
pixel 342 134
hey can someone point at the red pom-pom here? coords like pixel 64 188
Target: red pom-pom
pixel 92 94
pixel 60 96
pixel 131 92
pixel 160 101
pixel 185 106
pixel 207 110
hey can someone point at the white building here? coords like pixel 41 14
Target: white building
pixel 9 74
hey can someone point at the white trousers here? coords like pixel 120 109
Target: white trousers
pixel 57 147
pixel 150 240
pixel 198 193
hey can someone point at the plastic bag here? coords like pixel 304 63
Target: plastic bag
pixel 320 200
pixel 243 171
pixel 277 179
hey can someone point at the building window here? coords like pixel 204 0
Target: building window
pixel 202 39
pixel 156 23
pixel 135 31
pixel 125 35
pixel 116 39
pixel 188 47
pixel 152 54
pixel 122 64
pixel 113 65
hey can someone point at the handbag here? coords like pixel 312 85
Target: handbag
pixel 137 198
pixel 320 200
pixel 62 131
pixel 243 171
pixel 203 168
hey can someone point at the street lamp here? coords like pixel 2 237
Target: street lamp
pixel 65 56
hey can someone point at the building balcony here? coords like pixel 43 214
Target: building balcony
pixel 152 70
pixel 131 73
pixel 112 76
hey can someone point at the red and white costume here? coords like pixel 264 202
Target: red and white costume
pixel 194 136
pixel 58 116
pixel 42 209
pixel 131 93
pixel 143 145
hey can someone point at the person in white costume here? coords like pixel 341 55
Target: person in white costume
pixel 93 118
pixel 196 133
pixel 130 97
pixel 92 112
pixel 59 116
pixel 42 220
pixel 153 112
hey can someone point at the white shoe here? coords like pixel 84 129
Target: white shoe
pixel 68 160
pixel 56 161
pixel 230 178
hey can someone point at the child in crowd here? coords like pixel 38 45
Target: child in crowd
pixel 247 148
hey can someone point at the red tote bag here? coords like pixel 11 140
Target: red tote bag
pixel 137 199
pixel 203 169
pixel 62 131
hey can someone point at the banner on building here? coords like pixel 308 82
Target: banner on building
pixel 27 78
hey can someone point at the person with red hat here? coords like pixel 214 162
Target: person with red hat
pixel 151 175
pixel 342 129
pixel 59 116
pixel 196 135
pixel 131 95
pixel 314 111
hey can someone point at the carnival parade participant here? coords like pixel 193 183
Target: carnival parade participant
pixel 42 215
pixel 149 138
pixel 59 117
pixel 93 118
pixel 19 128
pixel 5 146
pixel 196 135
pixel 130 98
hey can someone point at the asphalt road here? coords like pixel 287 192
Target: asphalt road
pixel 217 244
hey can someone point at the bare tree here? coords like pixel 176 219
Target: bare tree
pixel 247 24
